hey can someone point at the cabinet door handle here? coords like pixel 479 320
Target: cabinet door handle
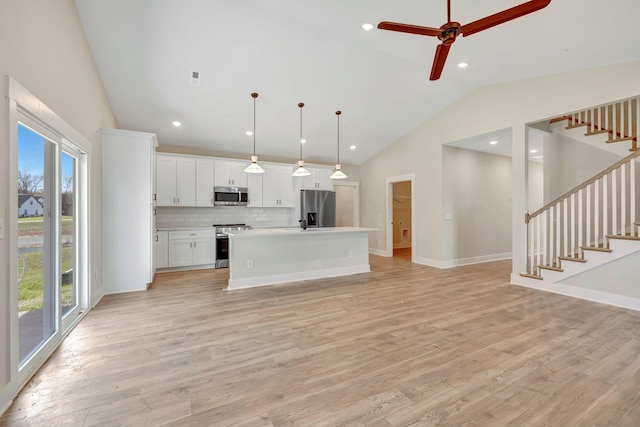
pixel 191 244
pixel 174 200
pixel 156 237
pixel 178 200
pixel 195 244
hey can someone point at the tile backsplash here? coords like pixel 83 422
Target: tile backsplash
pixel 168 217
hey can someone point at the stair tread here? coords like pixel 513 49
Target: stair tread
pixel 614 236
pixel 572 259
pixel 596 132
pixel 531 276
pixel 577 125
pixel 550 267
pixel 613 141
pixel 595 248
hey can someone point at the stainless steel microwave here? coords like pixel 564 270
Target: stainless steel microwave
pixel 230 196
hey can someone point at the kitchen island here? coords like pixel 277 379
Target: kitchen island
pixel 269 256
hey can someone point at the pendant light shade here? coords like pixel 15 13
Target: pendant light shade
pixel 254 167
pixel 301 171
pixel 338 174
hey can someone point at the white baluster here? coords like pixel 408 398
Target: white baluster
pixel 580 223
pixel 565 228
pixel 572 246
pixel 605 209
pixel 596 212
pixel 551 242
pixel 623 199
pixel 558 231
pixel 632 191
pixel 587 222
pixel 614 203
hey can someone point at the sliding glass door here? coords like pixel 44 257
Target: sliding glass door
pixel 37 252
pixel 49 265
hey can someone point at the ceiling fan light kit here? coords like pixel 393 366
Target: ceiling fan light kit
pixel 448 32
pixel 254 167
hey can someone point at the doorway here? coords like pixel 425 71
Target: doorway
pixel 400 213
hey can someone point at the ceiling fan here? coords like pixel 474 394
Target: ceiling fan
pixel 448 32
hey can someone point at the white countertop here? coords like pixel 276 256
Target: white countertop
pixel 289 231
pixel 184 228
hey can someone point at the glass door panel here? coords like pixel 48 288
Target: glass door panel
pixel 36 241
pixel 68 240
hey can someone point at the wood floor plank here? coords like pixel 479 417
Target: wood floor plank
pixel 403 345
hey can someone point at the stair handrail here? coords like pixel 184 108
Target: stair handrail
pixel 585 184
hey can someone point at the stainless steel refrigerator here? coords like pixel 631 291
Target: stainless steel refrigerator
pixel 318 208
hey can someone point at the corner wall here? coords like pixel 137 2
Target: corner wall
pixel 43 47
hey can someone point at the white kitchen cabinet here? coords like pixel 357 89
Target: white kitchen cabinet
pixel 319 179
pixel 230 173
pixel 255 187
pixel 204 181
pixel 277 186
pixel 128 211
pixel 162 249
pixel 176 180
pixel 191 248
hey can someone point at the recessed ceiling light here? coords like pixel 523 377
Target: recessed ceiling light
pixel 353 147
pixel 249 133
pixel 367 27
pixel 463 65
pixel 533 151
pixel 302 141
pixel 493 142
pixel 176 123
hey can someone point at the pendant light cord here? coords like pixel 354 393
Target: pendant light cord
pixel 254 95
pixel 301 105
pixel 338 114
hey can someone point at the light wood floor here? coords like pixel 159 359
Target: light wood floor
pixel 403 345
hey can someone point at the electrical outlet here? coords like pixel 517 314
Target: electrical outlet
pixel 249 263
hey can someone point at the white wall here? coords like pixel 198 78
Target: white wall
pixel 568 163
pixel 43 47
pixel 509 105
pixel 477 196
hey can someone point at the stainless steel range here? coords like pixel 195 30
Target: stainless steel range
pixel 222 242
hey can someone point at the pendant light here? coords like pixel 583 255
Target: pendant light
pixel 301 171
pixel 254 167
pixel 338 174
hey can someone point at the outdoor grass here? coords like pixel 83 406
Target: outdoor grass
pixel 30 291
pixel 33 226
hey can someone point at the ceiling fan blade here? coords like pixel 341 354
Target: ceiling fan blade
pixel 438 61
pixel 504 16
pixel 408 28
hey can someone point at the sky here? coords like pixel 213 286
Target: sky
pixel 31 153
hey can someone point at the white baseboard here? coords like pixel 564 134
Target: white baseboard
pixel 427 261
pixel 462 261
pixel 379 252
pixel 475 260
pixel 276 279
pixel 577 292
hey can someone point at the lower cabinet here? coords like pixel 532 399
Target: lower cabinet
pixel 162 249
pixel 194 247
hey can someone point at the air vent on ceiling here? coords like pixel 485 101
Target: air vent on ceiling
pixel 195 78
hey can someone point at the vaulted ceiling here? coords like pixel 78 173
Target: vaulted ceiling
pixel 316 52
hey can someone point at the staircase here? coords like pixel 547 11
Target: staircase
pixel 596 222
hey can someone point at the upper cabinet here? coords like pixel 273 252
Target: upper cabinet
pixel 254 185
pixel 318 180
pixel 277 186
pixel 204 181
pixel 176 180
pixel 230 173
